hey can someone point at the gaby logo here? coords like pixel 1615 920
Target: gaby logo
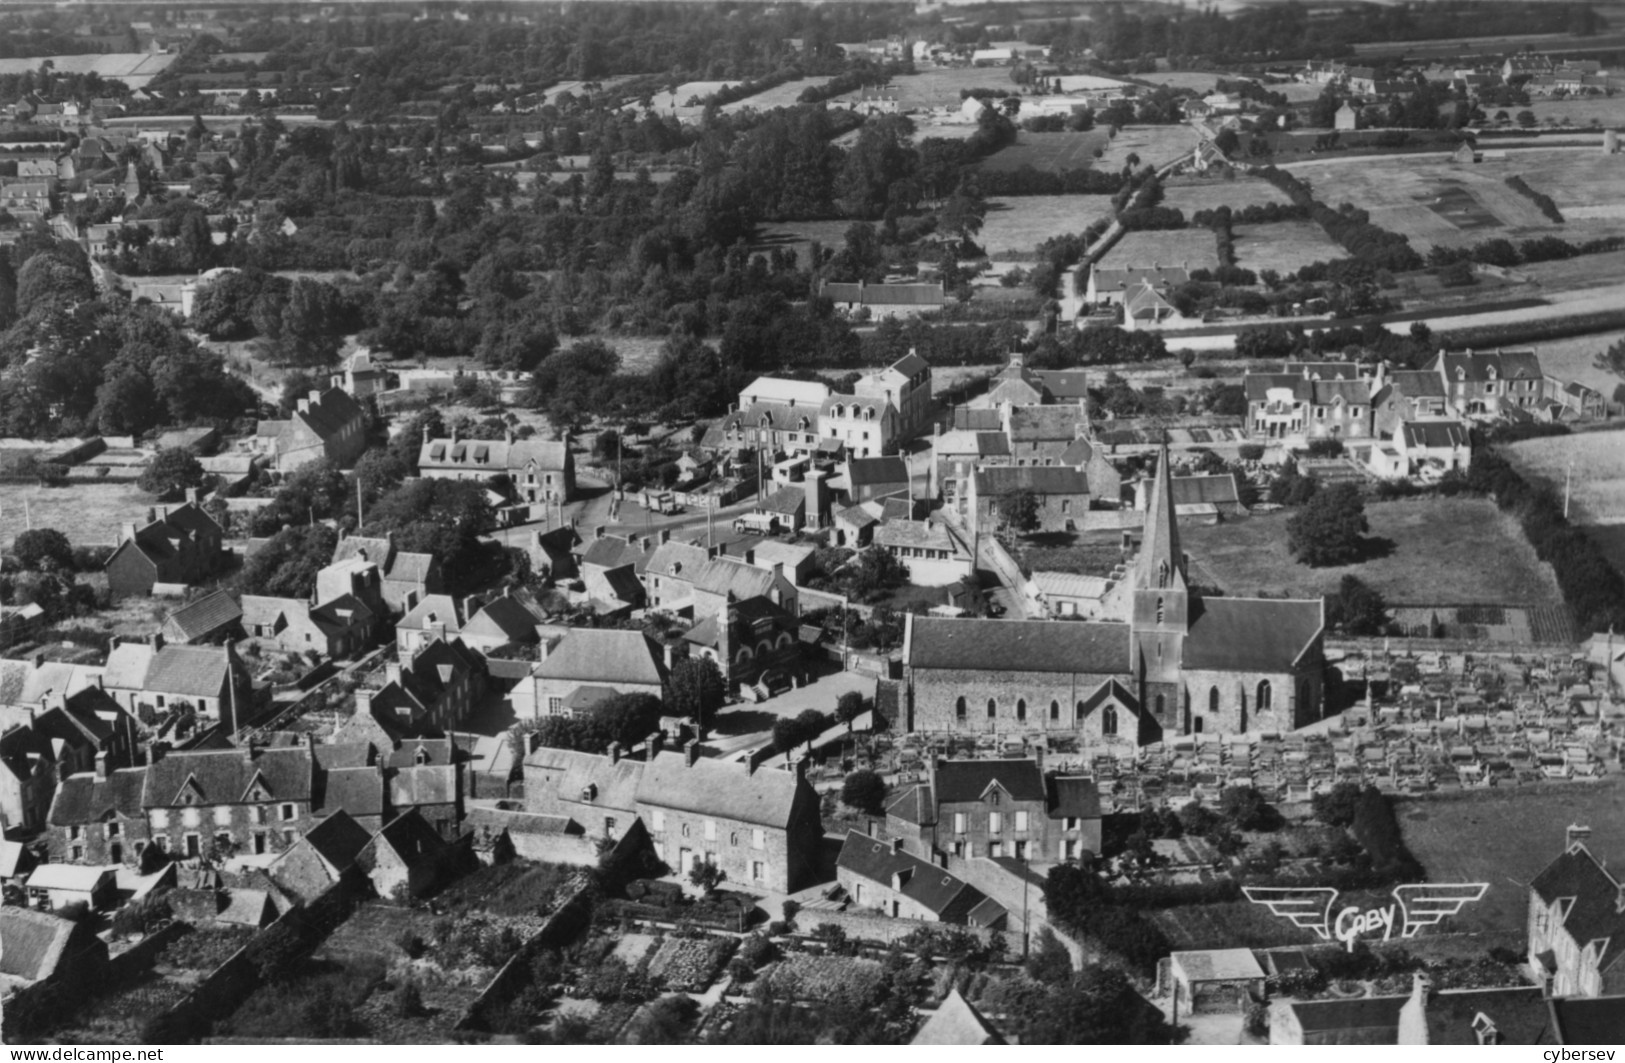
pixel 1414 907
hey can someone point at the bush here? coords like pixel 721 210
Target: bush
pixel 864 790
pixel 1540 199
pixel 1251 451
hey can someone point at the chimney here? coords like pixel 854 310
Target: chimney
pixel 1573 834
pixel 454 433
pixel 302 406
pixel 598 531
pixel 665 535
pixel 817 498
pixel 157 640
pixel 152 515
pixel 471 606
pixel 363 702
pixel 38 659
pixel 648 544
pixel 507 435
pixel 691 752
pixel 310 746
pixel 426 433
pixel 248 751
pixel 392 672
pixel 614 752
pixel 101 765
pixel 654 743
pixel 126 532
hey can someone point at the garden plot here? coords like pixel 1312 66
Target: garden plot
pixel 1016 226
pixel 1284 246
pixel 1191 248
pixel 690 964
pixel 1191 194
pixel 807 977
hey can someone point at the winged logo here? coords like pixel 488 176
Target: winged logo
pixel 1414 907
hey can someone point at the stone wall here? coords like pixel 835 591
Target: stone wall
pixel 936 692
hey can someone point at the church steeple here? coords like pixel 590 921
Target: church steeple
pixel 1161 564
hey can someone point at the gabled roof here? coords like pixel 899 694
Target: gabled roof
pixel 921 534
pixel 433 610
pixel 676 559
pixel 1074 797
pixel 614 551
pixel 1435 434
pixel 33 944
pixel 959 781
pixel 1363 1021
pixel 1123 279
pixel 494 455
pixel 965 441
pixel 210 613
pixel 1215 489
pixel 1019 646
pixel 1250 634
pixel 585 778
pixel 914 805
pixel 864 472
pixel 1035 424
pixel 83 798
pixel 329 413
pixel 723 575
pixel 604 655
pixel 505 616
pixel 1594 914
pixel 1487 365
pixel 68 877
pixel 922 882
pixel 338 839
pixel 228 776
pixel 410 837
pixel 718 788
pixel 787 501
pixel 1588 1020
pixel 189 671
pixel 1040 479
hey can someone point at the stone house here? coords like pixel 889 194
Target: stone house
pixel 325 424
pixel 151 678
pixel 1576 926
pixel 1062 496
pixel 1296 407
pixel 435 689
pixel 999 808
pixel 1406 395
pixel 214 617
pixel 309 867
pixel 724 578
pixel 178 545
pixel 405 859
pixel 436 616
pixel 935 554
pixel 864 426
pixel 334 629
pixel 868 478
pixel 1487 384
pixel 97 818
pixel 746 637
pixel 608 659
pixel 538 470
pixel 879 875
pixel 405 577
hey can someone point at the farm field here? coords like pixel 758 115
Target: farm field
pixel 1571 359
pixel 1599 471
pixel 1017 225
pixel 1457 551
pixel 1200 80
pixel 798 236
pixel 1434 201
pixel 1050 152
pixel 1168 247
pixel 777 96
pixel 939 87
pixel 677 102
pixel 1576 112
pixel 1191 194
pixel 87 512
pixel 1503 838
pixel 1584 271
pixel 1577 179
pixel 135 69
pixel 1284 246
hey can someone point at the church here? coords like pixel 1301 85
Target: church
pixel 1170 662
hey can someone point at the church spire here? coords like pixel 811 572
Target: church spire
pixel 1161 562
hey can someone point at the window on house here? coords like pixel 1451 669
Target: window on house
pixel 261 843
pixel 113 830
pixel 959 823
pixel 289 812
pixel 758 839
pixel 758 871
pixel 77 852
pixel 659 820
pixel 192 845
pixel 222 839
pixel 710 830
pixel 1021 708
pixel 1262 701
pixel 1021 821
pixel 74 832
pixel 289 837
pixel 995 822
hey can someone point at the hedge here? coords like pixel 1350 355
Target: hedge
pixel 1516 332
pixel 1352 229
pixel 1540 199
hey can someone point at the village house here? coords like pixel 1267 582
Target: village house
pixel 177 546
pixel 865 427
pixel 884 300
pixel 406 859
pixel 723 579
pixel 1114 286
pixel 879 875
pixel 432 690
pixel 334 629
pixel 1065 595
pixel 935 554
pixel 41 747
pixel 758 824
pixel 1299 406
pixel 587 666
pixel 1170 661
pixel 1061 495
pixel 774 416
pixel 1406 395
pixel 1423 448
pixel 999 808
pixel 437 616
pixel 151 678
pixel 1576 926
pixel 1425 1016
pixel 314 863
pixel 1487 384
pixel 539 470
pixel 97 818
pixel 405 577
pixel 325 424
pixel 505 620
pixel 361 376
pixel 745 637
pixel 1199 499
pixel 876 478
pixel 669 575
pixel 214 617
pixel 38 949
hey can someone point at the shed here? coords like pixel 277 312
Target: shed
pixel 1215 980
pixel 56 885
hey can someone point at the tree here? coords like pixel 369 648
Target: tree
pixel 1356 608
pixel 1612 360
pixel 849 707
pixel 811 723
pixel 171 471
pixel 1327 530
pixel 1019 511
pixel 696 689
pixel 44 549
pixel 1336 807
pixel 1526 119
pixel 865 791
pixel 1245 808
pixel 706 876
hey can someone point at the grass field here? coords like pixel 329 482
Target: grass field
pixel 1455 551
pixel 798 236
pixel 88 513
pixel 1222 926
pixel 1571 359
pixel 1505 839
pixel 939 87
pixel 1284 246
pixel 1167 247
pixel 676 103
pixel 1598 460
pixel 1021 223
pixel 1191 193
pixel 1402 194
pixel 1051 152
pixel 1576 112
pixel 778 96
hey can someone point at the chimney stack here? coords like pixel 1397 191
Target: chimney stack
pixel 1573 834
pixel 157 640
pixel 126 532
pixel 101 765
pixel 392 672
pixel 598 531
pixel 614 752
pixel 654 743
pixel 363 702
pixel 691 752
pixel 665 535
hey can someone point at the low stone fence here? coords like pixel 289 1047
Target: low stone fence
pixel 883 928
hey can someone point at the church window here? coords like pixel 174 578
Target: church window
pixel 1196 725
pixel 992 708
pixel 1263 699
pixel 1108 720
pixel 1079 711
pixel 1213 701
pixel 1021 708
pixel 1162 705
pixel 1055 710
pixel 1159 610
pixel 959 710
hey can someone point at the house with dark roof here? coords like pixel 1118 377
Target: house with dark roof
pixel 324 424
pixel 880 875
pixel 747 636
pixel 1588 1020
pixel 405 859
pixel 1296 407
pixel 622 662
pixel 1061 497
pixel 505 620
pixel 214 617
pixel 722 579
pixel 429 692
pixel 956 1022
pixel 1171 662
pixel 405 577
pixel 884 300
pixel 1486 384
pixel 1114 286
pixel 998 808
pixel 310 866
pixel 1425 1016
pixel 178 545
pixel 759 823
pixel 539 470
pixel 1406 395
pixel 436 616
pixel 1577 924
pixel 1201 498
pixel 97 818
pixel 868 478
pixel 612 566
pixel 41 949
pixel 335 628
pixel 957 453
pixel 935 554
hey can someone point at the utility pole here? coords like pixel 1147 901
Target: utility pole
pixel 1568 482
pixel 358 521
